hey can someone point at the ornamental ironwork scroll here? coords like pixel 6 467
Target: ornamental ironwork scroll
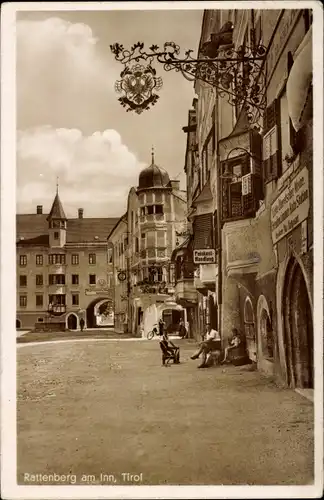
pixel 237 74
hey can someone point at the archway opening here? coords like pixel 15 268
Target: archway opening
pixel 72 322
pixel 266 330
pixel 18 323
pixel 249 329
pixel 298 328
pixel 171 318
pixel 100 313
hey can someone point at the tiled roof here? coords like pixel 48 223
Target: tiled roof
pixel 33 228
pixel 57 211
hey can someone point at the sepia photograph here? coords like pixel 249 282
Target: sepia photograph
pixel 161 230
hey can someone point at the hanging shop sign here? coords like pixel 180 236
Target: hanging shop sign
pixel 204 256
pixel 291 207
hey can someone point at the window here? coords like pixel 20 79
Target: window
pixel 136 244
pixel 56 235
pixel 56 279
pixel 23 260
pixel 56 258
pixel 156 274
pixel 160 238
pixel 92 279
pixel 57 299
pixel 75 279
pixel 75 299
pixel 271 152
pixel 158 209
pixel 22 280
pixel 241 191
pixel 158 197
pixel 208 154
pixel 150 209
pixel 149 198
pixel 39 301
pixel 40 320
pixel 150 239
pixel 110 255
pixel 23 300
pixel 92 258
pixel 142 211
pixel 75 259
pixel 39 260
pixel 39 280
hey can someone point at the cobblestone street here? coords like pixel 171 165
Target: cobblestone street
pixel 109 407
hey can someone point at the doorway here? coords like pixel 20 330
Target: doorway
pixel 72 322
pixel 298 329
pixel 18 323
pixel 249 330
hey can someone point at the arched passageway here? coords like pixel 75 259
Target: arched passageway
pixel 298 328
pixel 100 313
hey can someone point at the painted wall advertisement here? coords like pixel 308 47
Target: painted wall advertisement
pixel 206 256
pixel 291 207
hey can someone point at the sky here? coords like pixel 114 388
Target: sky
pixel 70 123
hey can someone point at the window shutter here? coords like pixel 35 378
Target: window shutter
pixel 271 143
pixel 225 199
pixel 203 231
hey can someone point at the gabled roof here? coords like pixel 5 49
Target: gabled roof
pixel 33 228
pixel 123 218
pixel 57 211
pixel 204 195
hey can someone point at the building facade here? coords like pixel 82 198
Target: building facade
pixel 155 222
pixel 253 186
pixel 63 273
pixel 120 279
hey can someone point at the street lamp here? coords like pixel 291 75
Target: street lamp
pixel 237 74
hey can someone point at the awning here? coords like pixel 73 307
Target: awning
pixel 299 81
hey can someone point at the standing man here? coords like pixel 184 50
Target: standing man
pixel 82 324
pixel 161 327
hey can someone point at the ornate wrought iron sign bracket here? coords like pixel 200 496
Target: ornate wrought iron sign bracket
pixel 238 74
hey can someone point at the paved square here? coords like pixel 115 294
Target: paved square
pixel 109 407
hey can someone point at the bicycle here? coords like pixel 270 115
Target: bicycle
pixel 154 332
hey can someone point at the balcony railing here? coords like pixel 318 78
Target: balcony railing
pixel 56 309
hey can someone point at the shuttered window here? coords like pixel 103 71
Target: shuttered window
pixel 271 142
pixel 203 231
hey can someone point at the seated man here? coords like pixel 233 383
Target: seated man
pixel 234 342
pixel 173 349
pixel 211 343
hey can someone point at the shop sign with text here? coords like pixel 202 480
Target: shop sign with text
pixel 291 207
pixel 204 256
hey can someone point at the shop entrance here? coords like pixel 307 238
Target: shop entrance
pixel 249 330
pixel 298 329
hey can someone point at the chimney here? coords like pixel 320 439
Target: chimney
pixel 80 213
pixel 39 209
pixel 175 185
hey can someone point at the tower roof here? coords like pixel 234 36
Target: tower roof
pixel 153 176
pixel 57 211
